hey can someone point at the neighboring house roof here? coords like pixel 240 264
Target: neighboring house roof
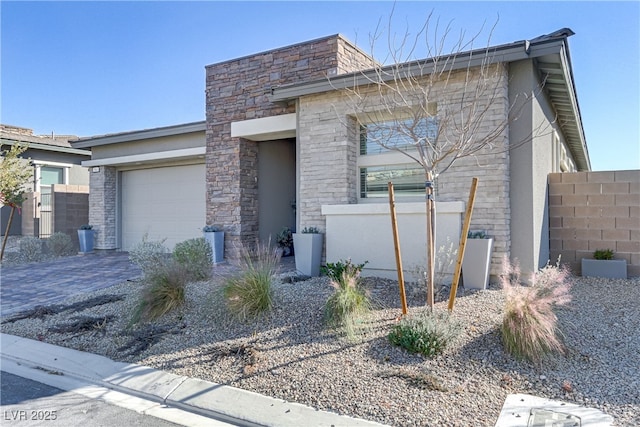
pixel 135 135
pixel 550 53
pixel 10 135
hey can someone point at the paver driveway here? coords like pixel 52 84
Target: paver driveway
pixel 25 286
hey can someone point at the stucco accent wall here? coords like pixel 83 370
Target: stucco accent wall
pixel 152 145
pixel 531 160
pixel 238 90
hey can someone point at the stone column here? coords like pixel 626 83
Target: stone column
pixel 102 207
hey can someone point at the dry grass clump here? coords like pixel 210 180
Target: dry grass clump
pixel 349 303
pixel 529 328
pixel 249 293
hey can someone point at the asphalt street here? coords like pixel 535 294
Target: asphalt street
pixel 28 403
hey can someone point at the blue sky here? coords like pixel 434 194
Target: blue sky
pixel 90 68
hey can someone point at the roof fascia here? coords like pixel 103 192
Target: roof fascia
pixel 46 147
pixel 140 135
pixel 506 53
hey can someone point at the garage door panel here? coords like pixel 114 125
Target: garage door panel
pixel 165 203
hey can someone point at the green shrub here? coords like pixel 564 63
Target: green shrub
pixel 60 244
pixel 195 255
pixel 249 293
pixel 349 303
pixel 603 254
pixel 334 270
pixel 149 255
pixel 30 249
pixel 529 328
pixel 163 292
pixel 427 333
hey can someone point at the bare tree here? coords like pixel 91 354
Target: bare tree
pixel 453 104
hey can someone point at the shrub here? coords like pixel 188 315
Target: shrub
pixel 603 254
pixel 30 249
pixel 149 255
pixel 335 269
pixel 529 328
pixel 60 244
pixel 427 333
pixel 249 293
pixel 349 303
pixel 195 255
pixel 163 293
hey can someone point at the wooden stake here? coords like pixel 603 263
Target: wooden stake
pixel 430 241
pixel 396 245
pixel 463 242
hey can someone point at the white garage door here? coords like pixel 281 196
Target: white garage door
pixel 166 202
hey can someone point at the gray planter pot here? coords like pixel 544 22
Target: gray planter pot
pixel 85 238
pixel 216 241
pixel 610 268
pixel 476 263
pixel 308 249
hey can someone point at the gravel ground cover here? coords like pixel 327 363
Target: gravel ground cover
pixel 290 354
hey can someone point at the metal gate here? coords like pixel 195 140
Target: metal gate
pixel 46 212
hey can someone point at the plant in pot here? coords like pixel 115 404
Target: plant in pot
pixel 85 238
pixel 285 241
pixel 308 244
pixel 215 237
pixel 477 260
pixel 603 264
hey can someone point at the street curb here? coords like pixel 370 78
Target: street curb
pixel 219 402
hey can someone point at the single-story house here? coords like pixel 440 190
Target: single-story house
pixel 54 162
pixel 281 148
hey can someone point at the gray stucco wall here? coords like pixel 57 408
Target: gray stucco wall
pixel 531 160
pixel 276 187
pixel 151 145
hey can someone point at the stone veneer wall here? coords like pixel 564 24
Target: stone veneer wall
pixel 102 207
pixel 328 152
pixel 238 90
pixel 595 210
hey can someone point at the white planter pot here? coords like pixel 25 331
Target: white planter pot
pixel 476 263
pixel 610 268
pixel 216 241
pixel 308 253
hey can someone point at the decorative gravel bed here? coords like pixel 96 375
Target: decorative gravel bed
pixel 289 353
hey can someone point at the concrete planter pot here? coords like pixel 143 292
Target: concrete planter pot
pixel 85 238
pixel 308 248
pixel 610 268
pixel 216 241
pixel 476 263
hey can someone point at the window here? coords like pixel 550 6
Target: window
pixel 408 180
pixel 400 134
pixel 50 173
pixel 378 165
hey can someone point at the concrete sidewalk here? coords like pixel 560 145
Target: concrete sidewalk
pixel 179 399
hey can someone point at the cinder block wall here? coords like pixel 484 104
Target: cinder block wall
pixel 595 210
pixel 70 209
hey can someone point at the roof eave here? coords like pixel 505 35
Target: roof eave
pixel 46 147
pixel 137 135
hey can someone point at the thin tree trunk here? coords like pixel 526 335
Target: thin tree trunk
pixel 430 261
pixel 6 233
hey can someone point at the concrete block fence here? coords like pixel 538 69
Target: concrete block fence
pixel 595 210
